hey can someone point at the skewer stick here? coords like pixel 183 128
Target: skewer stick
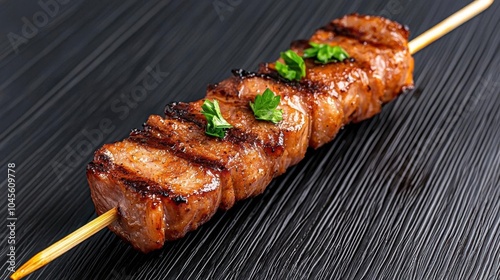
pixel 81 234
pixel 447 25
pixel 65 244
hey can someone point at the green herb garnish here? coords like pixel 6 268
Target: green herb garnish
pixel 325 53
pixel 216 124
pixel 265 106
pixel 294 68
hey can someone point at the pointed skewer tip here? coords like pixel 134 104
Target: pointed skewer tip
pixel 65 244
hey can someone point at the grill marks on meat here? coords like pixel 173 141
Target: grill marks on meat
pixel 170 177
pixel 152 210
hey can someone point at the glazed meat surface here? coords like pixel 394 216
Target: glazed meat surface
pixel 170 177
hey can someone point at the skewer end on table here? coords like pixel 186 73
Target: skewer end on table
pixel 447 25
pixel 65 244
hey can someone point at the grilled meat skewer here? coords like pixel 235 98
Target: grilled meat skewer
pixel 170 177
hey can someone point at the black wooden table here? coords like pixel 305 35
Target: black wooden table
pixel 413 193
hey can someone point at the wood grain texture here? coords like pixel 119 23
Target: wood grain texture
pixel 413 193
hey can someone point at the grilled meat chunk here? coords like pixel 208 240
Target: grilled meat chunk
pixel 170 177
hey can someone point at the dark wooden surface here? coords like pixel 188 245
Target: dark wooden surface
pixel 413 193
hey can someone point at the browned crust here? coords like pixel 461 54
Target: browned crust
pixel 329 95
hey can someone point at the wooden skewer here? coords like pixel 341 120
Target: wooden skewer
pixel 81 234
pixel 65 244
pixel 447 25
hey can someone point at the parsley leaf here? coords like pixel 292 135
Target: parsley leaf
pixel 265 105
pixel 216 124
pixel 325 53
pixel 294 67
